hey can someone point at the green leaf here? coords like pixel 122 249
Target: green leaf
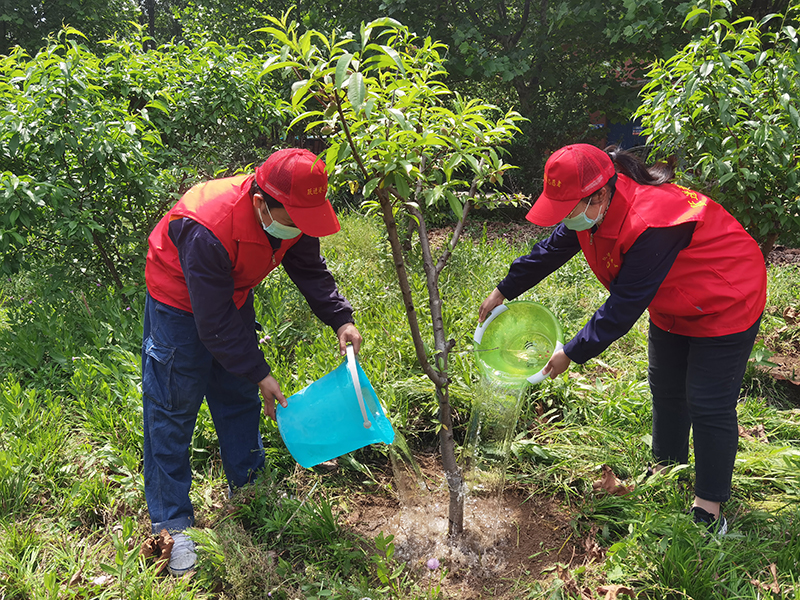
pixel 401 184
pixel 451 164
pixel 795 116
pixel 384 22
pixel 341 69
pixel 356 90
pixel 299 90
pixel 706 68
pixel 399 117
pixel 455 204
pixel 330 156
pixel 13 144
pixel 395 56
pixel 158 104
pixel 370 186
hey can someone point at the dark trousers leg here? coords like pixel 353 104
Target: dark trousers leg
pixel 695 383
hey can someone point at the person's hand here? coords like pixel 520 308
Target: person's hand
pixel 492 300
pixel 271 391
pixel 557 364
pixel 348 334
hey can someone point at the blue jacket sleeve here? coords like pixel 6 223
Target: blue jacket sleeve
pixel 644 268
pixel 306 267
pixel 228 333
pixel 545 257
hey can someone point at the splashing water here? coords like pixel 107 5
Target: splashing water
pixel 420 532
pixel 408 479
pixel 493 422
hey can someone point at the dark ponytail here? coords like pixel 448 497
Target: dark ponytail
pixel 629 164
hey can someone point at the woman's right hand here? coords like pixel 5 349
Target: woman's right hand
pixel 492 300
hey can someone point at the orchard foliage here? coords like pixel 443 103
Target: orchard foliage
pixel 93 150
pixel 730 103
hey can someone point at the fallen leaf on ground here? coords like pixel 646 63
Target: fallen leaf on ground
pixel 103 580
pixel 329 465
pixel 753 434
pixel 571 586
pixel 158 547
pixel 791 315
pixel 609 483
pixel 612 592
pixel 76 579
pixel 593 550
pixel 773 587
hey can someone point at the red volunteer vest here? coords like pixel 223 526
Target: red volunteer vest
pixel 225 207
pixel 717 285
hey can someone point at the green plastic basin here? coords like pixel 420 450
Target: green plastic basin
pixel 514 343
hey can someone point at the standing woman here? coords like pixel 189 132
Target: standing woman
pixel 662 247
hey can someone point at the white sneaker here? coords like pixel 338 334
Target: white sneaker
pixel 183 556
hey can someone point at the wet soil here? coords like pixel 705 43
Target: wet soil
pixel 510 539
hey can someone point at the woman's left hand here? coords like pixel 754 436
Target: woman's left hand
pixel 557 364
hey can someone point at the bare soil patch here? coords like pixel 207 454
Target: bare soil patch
pixel 781 255
pixel 509 537
pixel 785 341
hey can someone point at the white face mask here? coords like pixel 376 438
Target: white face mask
pixel 278 230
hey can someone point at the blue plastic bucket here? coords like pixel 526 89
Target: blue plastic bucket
pixel 334 415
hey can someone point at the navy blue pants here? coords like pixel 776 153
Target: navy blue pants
pixel 695 384
pixel 177 373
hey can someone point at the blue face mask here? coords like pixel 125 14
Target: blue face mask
pixel 278 230
pixel 582 222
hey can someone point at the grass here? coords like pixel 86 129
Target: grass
pixel 72 510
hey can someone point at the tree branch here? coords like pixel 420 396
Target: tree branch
pixel 405 288
pixel 459 228
pixel 523 23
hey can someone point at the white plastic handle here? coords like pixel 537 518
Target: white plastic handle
pixel 493 314
pixel 540 376
pixel 351 366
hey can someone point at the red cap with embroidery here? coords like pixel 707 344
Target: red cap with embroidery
pixel 297 179
pixel 570 174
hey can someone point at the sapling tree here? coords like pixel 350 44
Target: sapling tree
pixel 401 137
pixel 729 102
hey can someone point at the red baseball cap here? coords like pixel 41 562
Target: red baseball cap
pixel 297 179
pixel 570 174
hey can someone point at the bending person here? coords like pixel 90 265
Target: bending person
pixel 657 246
pixel 206 255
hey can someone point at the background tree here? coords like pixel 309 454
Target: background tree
pixel 557 62
pixel 29 23
pixel 398 134
pixel 94 150
pixel 728 104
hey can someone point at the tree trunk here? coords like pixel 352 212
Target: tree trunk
pixel 768 244
pixel 107 260
pixel 455 479
pixel 438 373
pixel 452 472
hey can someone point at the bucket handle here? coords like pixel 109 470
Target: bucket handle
pixel 540 376
pixel 481 328
pixel 351 366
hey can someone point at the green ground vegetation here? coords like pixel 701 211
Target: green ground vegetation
pixel 72 510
